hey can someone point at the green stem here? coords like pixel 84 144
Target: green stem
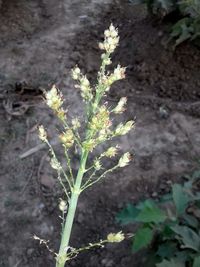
pixel 62 255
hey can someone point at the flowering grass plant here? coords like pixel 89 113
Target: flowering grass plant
pixel 97 130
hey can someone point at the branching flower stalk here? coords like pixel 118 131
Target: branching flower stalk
pixel 98 129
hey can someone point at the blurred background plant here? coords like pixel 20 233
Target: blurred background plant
pixel 185 14
pixel 169 228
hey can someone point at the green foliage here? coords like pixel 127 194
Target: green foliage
pixel 143 238
pixel 187 13
pixel 168 228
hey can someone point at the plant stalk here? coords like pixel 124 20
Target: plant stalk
pixel 62 255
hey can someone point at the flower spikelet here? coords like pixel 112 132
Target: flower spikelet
pixel 120 108
pixel 100 120
pixel 42 133
pixel 76 73
pixel 123 129
pixel 54 98
pixel 111 152
pixel 124 160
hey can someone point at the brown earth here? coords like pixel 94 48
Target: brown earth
pixel 39 43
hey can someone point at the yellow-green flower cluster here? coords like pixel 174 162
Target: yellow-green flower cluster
pixel 115 238
pixel 110 152
pixel 89 144
pixel 111 40
pixel 67 138
pixel 101 120
pixel 83 84
pixel 54 99
pixel 124 160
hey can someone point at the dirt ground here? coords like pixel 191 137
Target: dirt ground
pixel 40 41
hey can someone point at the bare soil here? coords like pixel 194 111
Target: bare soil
pixel 40 41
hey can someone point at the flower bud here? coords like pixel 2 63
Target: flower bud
pixel 62 205
pixel 115 238
pixel 42 133
pixel 124 160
